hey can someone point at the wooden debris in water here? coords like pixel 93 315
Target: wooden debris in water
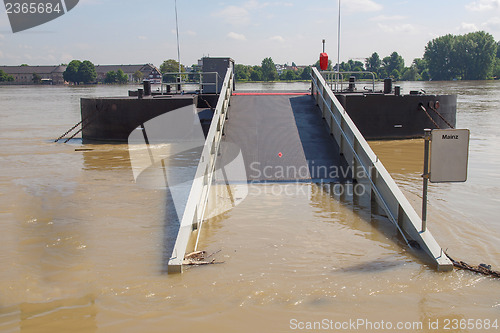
pixel 199 258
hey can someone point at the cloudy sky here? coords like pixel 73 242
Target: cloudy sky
pixel 126 31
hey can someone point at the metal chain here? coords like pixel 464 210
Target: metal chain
pixel 441 116
pixel 429 116
pixel 87 120
pixel 481 269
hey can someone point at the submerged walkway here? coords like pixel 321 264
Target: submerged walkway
pixel 282 138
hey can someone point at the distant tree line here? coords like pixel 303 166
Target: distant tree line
pixel 474 56
pixel 268 72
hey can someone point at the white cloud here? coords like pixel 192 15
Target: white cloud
pixel 236 36
pixel 356 6
pixel 2 36
pixel 241 15
pixel 234 15
pixel 467 27
pixel 1 54
pixel 385 18
pixel 493 23
pixel 483 5
pixel 190 33
pixel 277 39
pixel 397 28
pixel 142 37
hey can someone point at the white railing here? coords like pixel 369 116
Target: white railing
pixel 198 196
pixel 197 79
pixel 384 189
pixel 336 79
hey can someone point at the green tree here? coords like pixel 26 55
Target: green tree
pixel 306 73
pixel 288 75
pixel 439 53
pixel 373 63
pixel 475 54
pixel 171 66
pixel 121 77
pixel 37 79
pixel 24 65
pixel 393 65
pixel 138 76
pixel 269 72
pixel 87 73
pixel 110 77
pixel 71 72
pixel 242 72
pixel 256 73
pixel 4 77
pixel 496 69
pixel 469 57
pixel 422 69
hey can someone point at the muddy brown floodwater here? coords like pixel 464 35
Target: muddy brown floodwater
pixel 82 246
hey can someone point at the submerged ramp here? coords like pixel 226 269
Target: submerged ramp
pixel 282 138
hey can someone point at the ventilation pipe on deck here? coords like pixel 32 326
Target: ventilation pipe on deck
pixel 352 83
pixel 147 87
pixel 397 90
pixel 387 86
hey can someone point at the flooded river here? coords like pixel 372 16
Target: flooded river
pixel 83 247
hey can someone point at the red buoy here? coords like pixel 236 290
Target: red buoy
pixel 323 61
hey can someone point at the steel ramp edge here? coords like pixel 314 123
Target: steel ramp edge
pixel 198 195
pixel 386 192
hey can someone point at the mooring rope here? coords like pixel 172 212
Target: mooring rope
pixel 481 268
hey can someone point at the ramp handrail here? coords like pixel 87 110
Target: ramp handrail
pixel 198 195
pixel 337 78
pixel 200 82
pixel 359 154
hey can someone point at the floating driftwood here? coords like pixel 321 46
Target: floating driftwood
pixel 199 258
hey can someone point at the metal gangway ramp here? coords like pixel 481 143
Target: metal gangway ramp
pixel 282 138
pixel 303 137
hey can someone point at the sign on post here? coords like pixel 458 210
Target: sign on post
pixel 449 155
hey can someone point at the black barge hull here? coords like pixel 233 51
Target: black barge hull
pixel 113 119
pixel 388 116
pixel 377 116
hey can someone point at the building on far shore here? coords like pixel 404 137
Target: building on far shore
pixel 54 74
pixel 149 72
pixel 24 74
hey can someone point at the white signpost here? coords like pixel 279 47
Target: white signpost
pixel 449 155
